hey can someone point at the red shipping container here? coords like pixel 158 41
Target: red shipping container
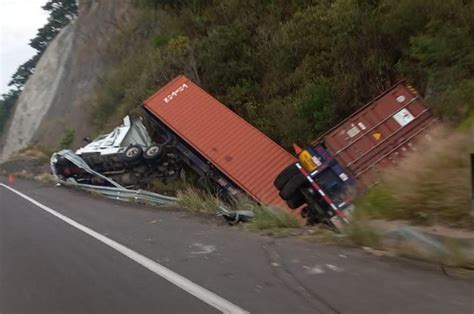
pixel 377 135
pixel 240 151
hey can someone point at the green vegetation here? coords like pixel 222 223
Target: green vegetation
pixel 360 233
pixel 468 123
pixel 266 217
pixel 293 68
pixel 430 187
pixel 7 101
pixel 67 139
pixel 41 153
pixel 61 12
pixel 45 178
pixel 198 201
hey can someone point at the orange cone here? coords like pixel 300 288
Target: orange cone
pixel 297 149
pixel 11 178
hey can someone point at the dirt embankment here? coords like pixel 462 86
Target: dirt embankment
pixel 57 96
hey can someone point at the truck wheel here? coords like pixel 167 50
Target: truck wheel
pixel 285 176
pixel 313 214
pixel 152 152
pixel 292 187
pixel 297 201
pixel 132 154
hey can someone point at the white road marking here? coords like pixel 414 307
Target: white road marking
pixel 187 285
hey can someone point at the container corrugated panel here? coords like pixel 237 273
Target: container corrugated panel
pixel 244 154
pixel 380 133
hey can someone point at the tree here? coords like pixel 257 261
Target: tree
pixel 44 36
pixel 61 11
pixel 23 72
pixel 7 101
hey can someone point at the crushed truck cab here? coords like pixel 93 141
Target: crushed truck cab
pixel 318 186
pixel 126 155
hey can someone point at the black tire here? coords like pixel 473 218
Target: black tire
pixel 285 176
pixel 293 186
pixel 152 152
pixel 297 201
pixel 133 154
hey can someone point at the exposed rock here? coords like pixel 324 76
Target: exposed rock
pixel 38 93
pixel 57 96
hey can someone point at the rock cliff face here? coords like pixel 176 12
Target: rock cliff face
pixel 57 96
pixel 38 93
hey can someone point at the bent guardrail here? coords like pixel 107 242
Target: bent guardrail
pixel 123 194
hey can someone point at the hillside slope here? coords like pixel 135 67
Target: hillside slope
pixel 291 68
pixel 57 96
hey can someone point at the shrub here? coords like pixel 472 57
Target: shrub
pixel 430 186
pixel 67 139
pixel 268 217
pixel 197 200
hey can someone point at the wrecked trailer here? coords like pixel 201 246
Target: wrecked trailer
pixel 347 159
pixel 214 141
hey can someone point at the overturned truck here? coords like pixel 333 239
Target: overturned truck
pixel 349 158
pixel 187 130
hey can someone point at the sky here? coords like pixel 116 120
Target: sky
pixel 19 22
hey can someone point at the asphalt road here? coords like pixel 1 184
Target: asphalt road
pixel 92 255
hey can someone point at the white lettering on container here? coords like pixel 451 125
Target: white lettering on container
pixel 175 93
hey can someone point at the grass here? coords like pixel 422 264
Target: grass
pixel 45 178
pixel 34 151
pixel 272 218
pixel 197 200
pixel 360 233
pixel 454 256
pixel 430 186
pixel 468 123
pixel 67 139
pixel 266 217
pixel 457 255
